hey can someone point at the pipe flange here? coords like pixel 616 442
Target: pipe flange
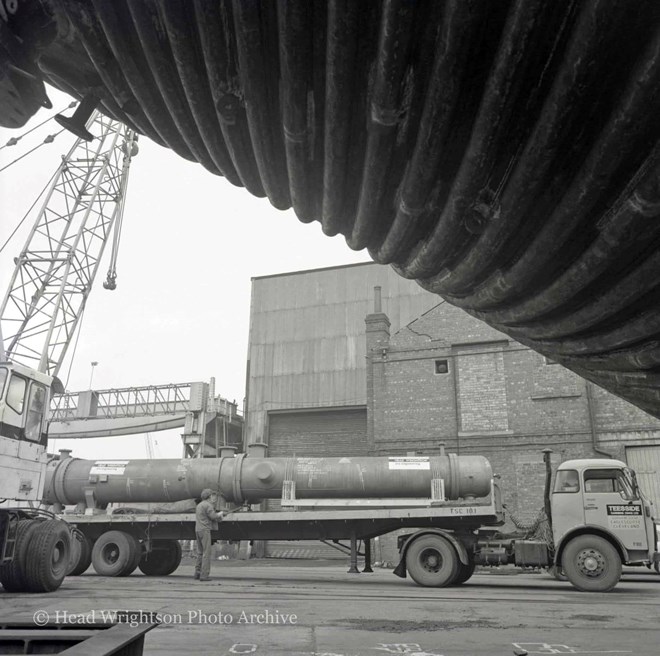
pixel 58 481
pixel 236 480
pixel 454 478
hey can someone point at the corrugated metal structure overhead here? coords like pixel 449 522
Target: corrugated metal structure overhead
pixel 307 345
pixel 503 153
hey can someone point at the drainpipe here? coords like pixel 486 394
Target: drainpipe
pixel 457 416
pixel 592 422
pixel 548 481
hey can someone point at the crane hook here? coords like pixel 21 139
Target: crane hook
pixel 111 281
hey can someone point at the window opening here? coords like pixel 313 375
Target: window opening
pixel 35 413
pixel 567 481
pixel 441 366
pixel 16 393
pixel 604 481
pixel 3 379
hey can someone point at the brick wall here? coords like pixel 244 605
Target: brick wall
pixel 481 387
pixel 614 414
pixel 498 399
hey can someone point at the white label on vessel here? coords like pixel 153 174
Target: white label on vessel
pixel 109 467
pixel 410 462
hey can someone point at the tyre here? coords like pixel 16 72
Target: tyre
pixel 432 561
pixel 48 556
pixel 163 559
pixel 591 563
pixel 557 573
pixel 465 572
pixel 12 575
pixel 81 555
pixel 115 553
pixel 137 556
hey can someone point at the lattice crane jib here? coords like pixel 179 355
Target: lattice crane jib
pixel 55 270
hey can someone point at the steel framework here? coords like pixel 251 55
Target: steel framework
pixel 146 401
pixel 132 410
pixel 56 269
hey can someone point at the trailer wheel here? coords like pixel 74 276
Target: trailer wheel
pixel 432 561
pixel 133 565
pixel 48 556
pixel 163 559
pixel 12 575
pixel 591 563
pixel 81 555
pixel 465 572
pixel 114 554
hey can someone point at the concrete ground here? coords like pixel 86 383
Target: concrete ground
pixel 315 608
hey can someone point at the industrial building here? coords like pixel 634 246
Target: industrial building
pixel 340 367
pixel 307 353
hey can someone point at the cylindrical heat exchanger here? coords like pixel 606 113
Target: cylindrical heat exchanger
pixel 242 478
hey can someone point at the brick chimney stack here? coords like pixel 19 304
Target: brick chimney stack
pixel 378 325
pixel 378 341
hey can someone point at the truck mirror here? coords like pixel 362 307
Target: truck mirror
pixel 628 487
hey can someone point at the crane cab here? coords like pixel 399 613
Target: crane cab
pixel 24 402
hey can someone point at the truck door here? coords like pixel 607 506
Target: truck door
pixel 609 501
pixel 567 506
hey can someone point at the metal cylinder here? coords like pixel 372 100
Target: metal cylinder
pixel 73 480
pixel 241 478
pixel 380 477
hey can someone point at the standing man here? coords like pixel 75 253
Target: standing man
pixel 206 520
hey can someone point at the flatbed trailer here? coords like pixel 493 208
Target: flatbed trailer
pixel 360 520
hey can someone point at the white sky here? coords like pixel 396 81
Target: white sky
pixel 190 244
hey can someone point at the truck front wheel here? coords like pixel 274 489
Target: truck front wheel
pixel 48 556
pixel 12 575
pixel 591 563
pixel 432 561
pixel 557 573
pixel 465 572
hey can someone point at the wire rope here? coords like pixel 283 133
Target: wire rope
pixel 14 140
pixel 15 230
pixel 49 139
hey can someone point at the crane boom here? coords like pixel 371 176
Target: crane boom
pixel 56 269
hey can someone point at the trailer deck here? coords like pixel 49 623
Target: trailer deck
pixel 363 522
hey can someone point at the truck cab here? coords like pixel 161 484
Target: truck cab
pixel 35 547
pixel 600 519
pixel 24 402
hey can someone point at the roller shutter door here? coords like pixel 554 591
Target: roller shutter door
pixel 318 433
pixel 645 460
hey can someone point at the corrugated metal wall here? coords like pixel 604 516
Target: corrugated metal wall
pixel 645 460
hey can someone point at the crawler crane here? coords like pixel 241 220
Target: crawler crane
pixel 52 279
